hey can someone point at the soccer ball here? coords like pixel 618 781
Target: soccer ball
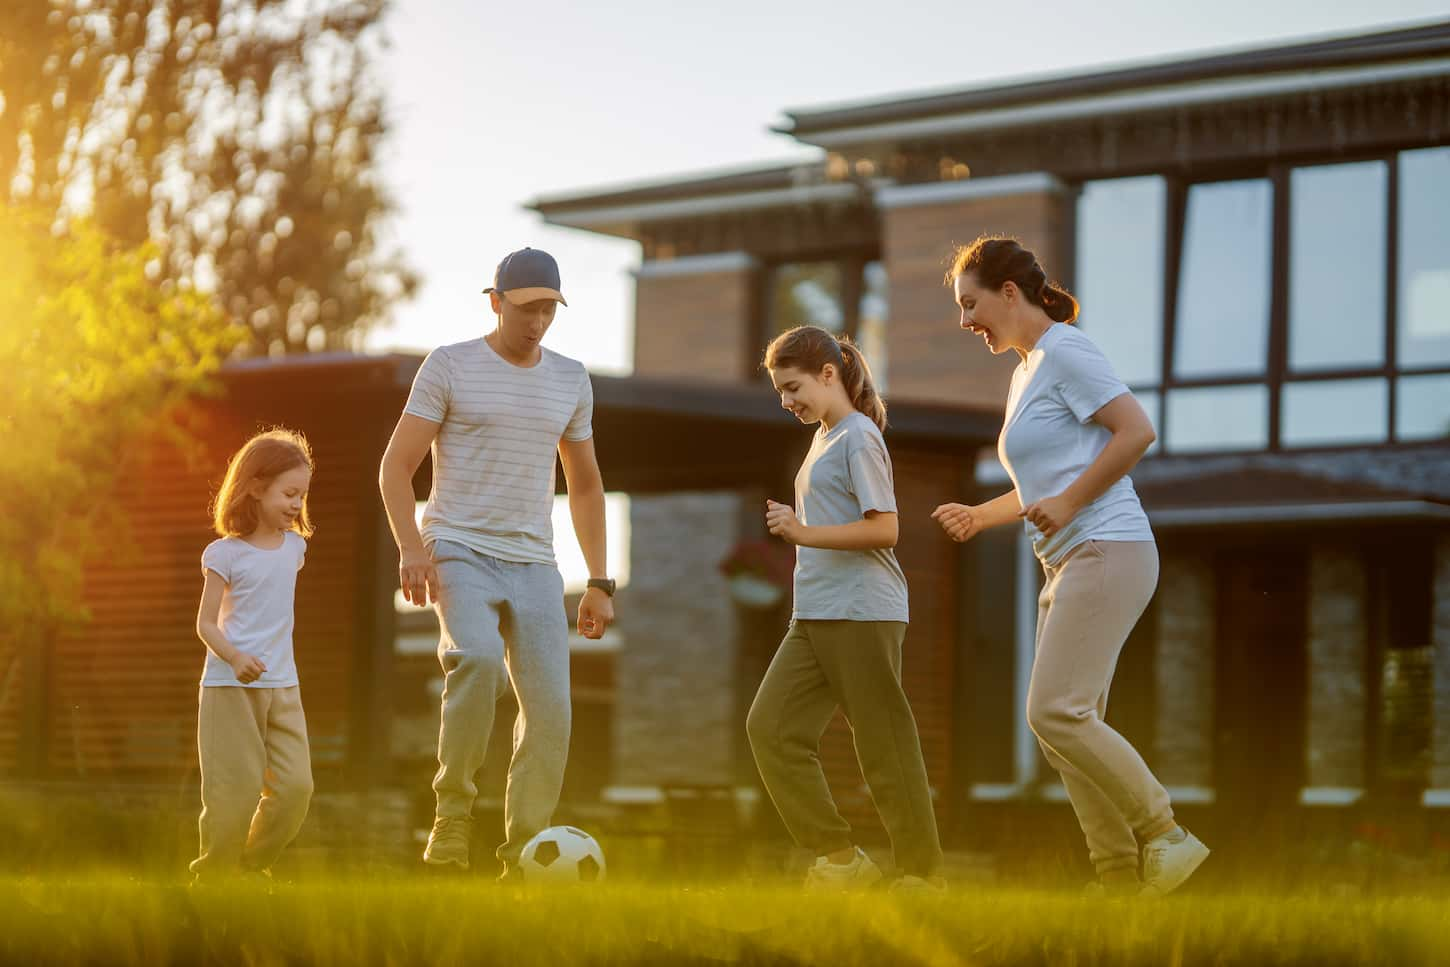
pixel 562 854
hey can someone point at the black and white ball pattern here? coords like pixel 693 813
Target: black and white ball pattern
pixel 562 854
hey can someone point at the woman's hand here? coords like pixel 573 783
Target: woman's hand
pixel 960 521
pixel 1050 514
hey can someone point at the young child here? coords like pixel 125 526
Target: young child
pixel 843 646
pixel 256 776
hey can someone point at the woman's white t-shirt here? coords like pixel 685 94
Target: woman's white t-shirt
pixel 257 606
pixel 1048 440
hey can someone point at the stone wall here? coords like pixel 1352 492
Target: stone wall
pixel 675 706
pixel 1440 635
pixel 1337 649
pixel 1184 668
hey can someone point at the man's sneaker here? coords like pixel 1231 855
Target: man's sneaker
pixel 827 877
pixel 919 885
pixel 448 842
pixel 1169 860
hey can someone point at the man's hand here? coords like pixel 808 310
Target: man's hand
pixel 247 668
pixel 780 520
pixel 596 613
pixel 418 577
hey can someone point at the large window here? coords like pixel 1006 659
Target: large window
pixel 846 295
pixel 1337 262
pixel 1224 289
pixel 1121 293
pixel 1223 298
pixel 1293 307
pixel 1423 282
pixel 809 294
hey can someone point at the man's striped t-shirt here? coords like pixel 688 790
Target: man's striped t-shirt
pixel 493 458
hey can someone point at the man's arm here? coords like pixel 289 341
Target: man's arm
pixel 410 441
pixel 586 509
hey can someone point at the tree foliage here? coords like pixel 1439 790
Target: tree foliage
pixel 240 136
pixel 93 349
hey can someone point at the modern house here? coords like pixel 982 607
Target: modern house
pixel 1261 242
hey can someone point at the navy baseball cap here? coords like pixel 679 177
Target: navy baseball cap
pixel 526 276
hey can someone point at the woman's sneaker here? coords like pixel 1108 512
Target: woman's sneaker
pixel 1169 860
pixel 448 842
pixel 827 877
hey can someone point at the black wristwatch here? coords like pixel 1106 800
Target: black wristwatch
pixel 604 584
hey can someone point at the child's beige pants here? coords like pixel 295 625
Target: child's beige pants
pixel 256 776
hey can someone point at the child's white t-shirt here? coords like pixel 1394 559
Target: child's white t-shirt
pixel 1048 439
pixel 257 606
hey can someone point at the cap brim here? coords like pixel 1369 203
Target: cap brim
pixel 530 294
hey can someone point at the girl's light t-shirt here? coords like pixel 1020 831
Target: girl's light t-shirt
pixel 257 606
pixel 846 473
pixel 1048 439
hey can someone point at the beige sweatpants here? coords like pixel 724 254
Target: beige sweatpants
pixel 1087 608
pixel 256 776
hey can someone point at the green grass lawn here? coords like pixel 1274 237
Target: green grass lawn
pixel 413 919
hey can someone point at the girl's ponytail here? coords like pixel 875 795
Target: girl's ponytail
pixel 859 386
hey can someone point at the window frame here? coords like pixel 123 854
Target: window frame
pixel 852 263
pixel 1278 375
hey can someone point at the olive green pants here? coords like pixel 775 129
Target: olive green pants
pixel 855 666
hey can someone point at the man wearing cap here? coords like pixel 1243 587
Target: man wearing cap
pixel 494 411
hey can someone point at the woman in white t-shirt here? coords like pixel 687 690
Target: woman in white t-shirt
pixel 1071 433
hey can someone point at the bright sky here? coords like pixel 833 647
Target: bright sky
pixel 496 104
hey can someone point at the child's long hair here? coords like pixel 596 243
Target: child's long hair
pixel 258 462
pixel 810 348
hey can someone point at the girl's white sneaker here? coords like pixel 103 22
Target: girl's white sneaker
pixel 826 877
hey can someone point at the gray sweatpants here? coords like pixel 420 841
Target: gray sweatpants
pixel 502 621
